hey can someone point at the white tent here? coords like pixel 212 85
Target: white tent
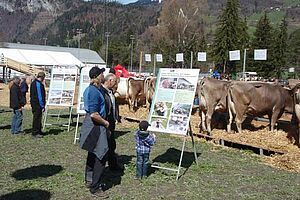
pixel 41 58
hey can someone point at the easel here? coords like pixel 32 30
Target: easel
pixel 76 136
pixel 58 117
pixel 189 132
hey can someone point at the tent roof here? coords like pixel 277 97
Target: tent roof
pixel 38 57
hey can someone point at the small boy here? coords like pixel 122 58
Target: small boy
pixel 144 141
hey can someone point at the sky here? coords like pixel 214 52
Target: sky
pixel 126 1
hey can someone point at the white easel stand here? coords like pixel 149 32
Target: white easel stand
pixel 76 136
pixel 58 115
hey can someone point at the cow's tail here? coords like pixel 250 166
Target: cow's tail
pixel 230 107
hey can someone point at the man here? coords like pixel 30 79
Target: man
pixel 24 89
pixel 16 103
pixel 37 102
pixel 93 134
pixel 110 82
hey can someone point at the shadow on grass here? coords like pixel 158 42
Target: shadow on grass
pixel 36 172
pixel 120 133
pixel 172 156
pixel 53 131
pixel 112 178
pixel 5 127
pixel 27 195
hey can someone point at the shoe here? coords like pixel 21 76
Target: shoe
pixel 88 184
pixel 100 193
pixel 37 136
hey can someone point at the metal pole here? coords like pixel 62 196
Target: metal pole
pixel 131 51
pixel 154 64
pixel 244 65
pixel 191 60
pixel 45 41
pixel 106 49
pixel 79 37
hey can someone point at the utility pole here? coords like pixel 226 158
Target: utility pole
pixel 131 51
pixel 45 41
pixel 89 44
pixel 78 31
pixel 106 49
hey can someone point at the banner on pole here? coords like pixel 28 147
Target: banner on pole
pixel 62 86
pixel 260 54
pixel 159 58
pixel 148 57
pixel 202 56
pixel 179 57
pixel 84 82
pixel 234 55
pixel 173 100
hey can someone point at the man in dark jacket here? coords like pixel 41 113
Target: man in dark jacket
pixel 24 89
pixel 110 80
pixel 38 102
pixel 16 103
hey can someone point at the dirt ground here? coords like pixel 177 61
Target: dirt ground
pixel 257 133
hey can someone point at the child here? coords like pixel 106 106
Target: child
pixel 144 141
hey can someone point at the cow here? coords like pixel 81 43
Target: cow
pixel 257 99
pixel 212 97
pixel 135 92
pixel 296 116
pixel 149 90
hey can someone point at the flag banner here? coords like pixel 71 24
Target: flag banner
pixel 234 55
pixel 260 54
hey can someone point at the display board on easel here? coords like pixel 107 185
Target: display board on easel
pixel 171 109
pixel 84 82
pixel 61 90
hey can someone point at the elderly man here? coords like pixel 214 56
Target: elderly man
pixel 94 132
pixel 38 103
pixel 16 103
pixel 110 82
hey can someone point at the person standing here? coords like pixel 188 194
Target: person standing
pixel 16 103
pixel 94 133
pixel 110 81
pixel 24 89
pixel 37 102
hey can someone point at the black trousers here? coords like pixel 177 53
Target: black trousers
pixel 37 121
pixel 94 170
pixel 112 157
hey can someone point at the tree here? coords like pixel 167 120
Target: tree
pixel 294 49
pixel 263 39
pixel 279 59
pixel 180 29
pixel 231 33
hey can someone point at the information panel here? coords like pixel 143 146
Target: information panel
pixel 173 100
pixel 62 86
pixel 83 84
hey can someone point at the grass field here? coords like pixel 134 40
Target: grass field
pixel 52 168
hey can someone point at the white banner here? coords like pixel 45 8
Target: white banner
pixel 260 54
pixel 202 56
pixel 148 57
pixel 291 69
pixel 179 57
pixel 234 55
pixel 173 100
pixel 159 58
pixel 62 86
pixel 84 82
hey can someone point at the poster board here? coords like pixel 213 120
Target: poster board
pixel 260 54
pixel 202 56
pixel 62 86
pixel 173 100
pixel 84 82
pixel 234 55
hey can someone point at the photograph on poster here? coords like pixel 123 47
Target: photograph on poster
pixel 69 85
pixel 58 77
pixel 178 123
pixel 81 106
pixel 55 93
pixel 181 109
pixel 67 101
pixel 54 101
pixel 67 93
pixel 70 77
pixel 158 123
pixel 162 109
pixel 86 79
pixel 56 85
pixel 168 83
pixel 184 84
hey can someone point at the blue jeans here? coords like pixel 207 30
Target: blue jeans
pixel 142 161
pixel 16 124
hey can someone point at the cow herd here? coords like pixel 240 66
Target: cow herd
pixel 236 99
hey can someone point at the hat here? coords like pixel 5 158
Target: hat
pixel 143 125
pixel 96 71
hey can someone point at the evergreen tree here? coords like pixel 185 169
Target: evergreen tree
pixel 294 49
pixel 263 39
pixel 231 34
pixel 280 44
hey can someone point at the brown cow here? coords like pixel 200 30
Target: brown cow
pixel 296 92
pixel 149 90
pixel 212 97
pixel 135 92
pixel 257 99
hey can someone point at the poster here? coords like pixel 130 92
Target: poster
pixel 234 55
pixel 84 82
pixel 202 56
pixel 260 54
pixel 148 57
pixel 179 57
pixel 159 58
pixel 173 100
pixel 62 86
